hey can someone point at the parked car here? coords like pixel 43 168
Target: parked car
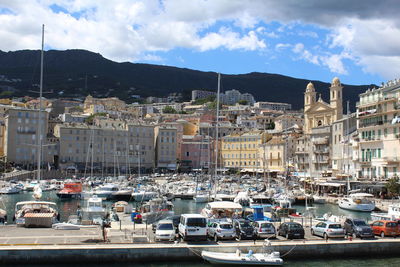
pixel 385 228
pixel 357 228
pixel 243 229
pixel 291 230
pixel 221 230
pixel 193 226
pixel 328 230
pixel 264 229
pixel 175 220
pixel 165 231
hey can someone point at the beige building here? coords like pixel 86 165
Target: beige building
pixel 111 150
pixel 21 137
pixel 93 105
pixel 318 113
pixel 378 125
pixel 241 151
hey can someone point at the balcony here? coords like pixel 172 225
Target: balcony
pixel 392 159
pixel 371 138
pixel 321 141
pixel 26 132
pixel 369 124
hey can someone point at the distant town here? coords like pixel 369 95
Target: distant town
pixel 106 135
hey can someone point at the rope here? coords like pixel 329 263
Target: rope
pixel 289 251
pixel 195 252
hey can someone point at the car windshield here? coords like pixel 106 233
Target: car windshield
pixel 359 223
pixel 266 225
pixel 335 226
pixel 165 226
pixel 199 222
pixel 245 224
pixel 295 226
pixel 226 226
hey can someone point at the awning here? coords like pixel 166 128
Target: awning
pixel 331 184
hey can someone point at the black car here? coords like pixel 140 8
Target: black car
pixel 291 230
pixel 357 228
pixel 243 229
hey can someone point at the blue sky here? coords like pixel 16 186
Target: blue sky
pixel 311 39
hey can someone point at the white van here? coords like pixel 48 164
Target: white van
pixel 193 227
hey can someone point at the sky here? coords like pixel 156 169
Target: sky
pixel 355 40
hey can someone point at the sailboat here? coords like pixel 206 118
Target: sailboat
pixel 37 213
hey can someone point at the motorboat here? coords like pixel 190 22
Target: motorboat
pixel 36 213
pixel 202 197
pixel 93 211
pixel 358 202
pixel 70 190
pixel 221 209
pixel 143 195
pixel 10 190
pixel 239 258
pixel 243 199
pixel 157 209
pixel 122 194
pixel 106 191
pixel 66 226
pixel 318 199
pixel 392 214
pixel 30 187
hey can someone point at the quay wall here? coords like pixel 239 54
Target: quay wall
pixel 181 252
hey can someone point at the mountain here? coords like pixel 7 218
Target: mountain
pixel 77 73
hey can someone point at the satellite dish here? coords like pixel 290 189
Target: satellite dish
pixel 37 192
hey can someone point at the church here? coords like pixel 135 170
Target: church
pixel 318 113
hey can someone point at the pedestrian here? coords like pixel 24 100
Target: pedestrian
pixel 254 237
pixel 104 231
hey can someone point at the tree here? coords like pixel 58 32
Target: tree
pixel 393 186
pixel 242 102
pixel 170 110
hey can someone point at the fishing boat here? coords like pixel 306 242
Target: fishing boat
pixel 392 214
pixel 94 212
pixel 238 258
pixel 36 213
pixel 70 190
pixel 157 209
pixel 222 209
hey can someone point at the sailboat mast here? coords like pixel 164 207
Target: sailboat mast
pixel 216 133
pixel 347 146
pixel 39 135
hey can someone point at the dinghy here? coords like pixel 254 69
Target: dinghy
pixel 238 258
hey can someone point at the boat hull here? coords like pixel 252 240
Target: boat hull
pixel 356 207
pixel 234 259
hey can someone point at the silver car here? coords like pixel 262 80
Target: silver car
pixel 328 230
pixel 221 230
pixel 264 229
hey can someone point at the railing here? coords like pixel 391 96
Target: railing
pixel 392 159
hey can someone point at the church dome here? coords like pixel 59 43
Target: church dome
pixel 310 87
pixel 336 82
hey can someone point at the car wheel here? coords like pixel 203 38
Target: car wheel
pixel 382 234
pixel 312 232
pixel 239 237
pixel 326 236
pixel 287 236
pixel 215 238
pixel 354 235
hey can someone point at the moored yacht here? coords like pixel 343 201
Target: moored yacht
pixel 36 213
pixel 357 202
pixel 70 190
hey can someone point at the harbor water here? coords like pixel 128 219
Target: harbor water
pixel 68 207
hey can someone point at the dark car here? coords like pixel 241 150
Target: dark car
pixel 291 230
pixel 357 228
pixel 243 229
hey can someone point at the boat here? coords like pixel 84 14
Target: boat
pixel 243 199
pixel 222 209
pixel 30 187
pixel 106 191
pixel 238 258
pixel 392 214
pixel 10 190
pixel 94 211
pixel 357 202
pixel 70 190
pixel 36 213
pixel 3 216
pixel 66 226
pixel 122 194
pixel 156 209
pixel 143 196
pixel 318 199
pixel 201 197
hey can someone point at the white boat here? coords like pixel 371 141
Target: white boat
pixel 106 191
pixel 238 258
pixel 143 196
pixel 243 199
pixel 36 213
pixel 392 214
pixel 94 210
pixel 66 226
pixel 221 209
pixel 318 199
pixel 201 197
pixel 10 190
pixel 357 202
pixel 157 209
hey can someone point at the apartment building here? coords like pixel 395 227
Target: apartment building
pixel 378 124
pixel 196 152
pixel 241 151
pixel 110 150
pixel 166 147
pixel 199 94
pixel 21 143
pixel 273 106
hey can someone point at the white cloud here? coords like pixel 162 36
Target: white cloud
pixel 281 46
